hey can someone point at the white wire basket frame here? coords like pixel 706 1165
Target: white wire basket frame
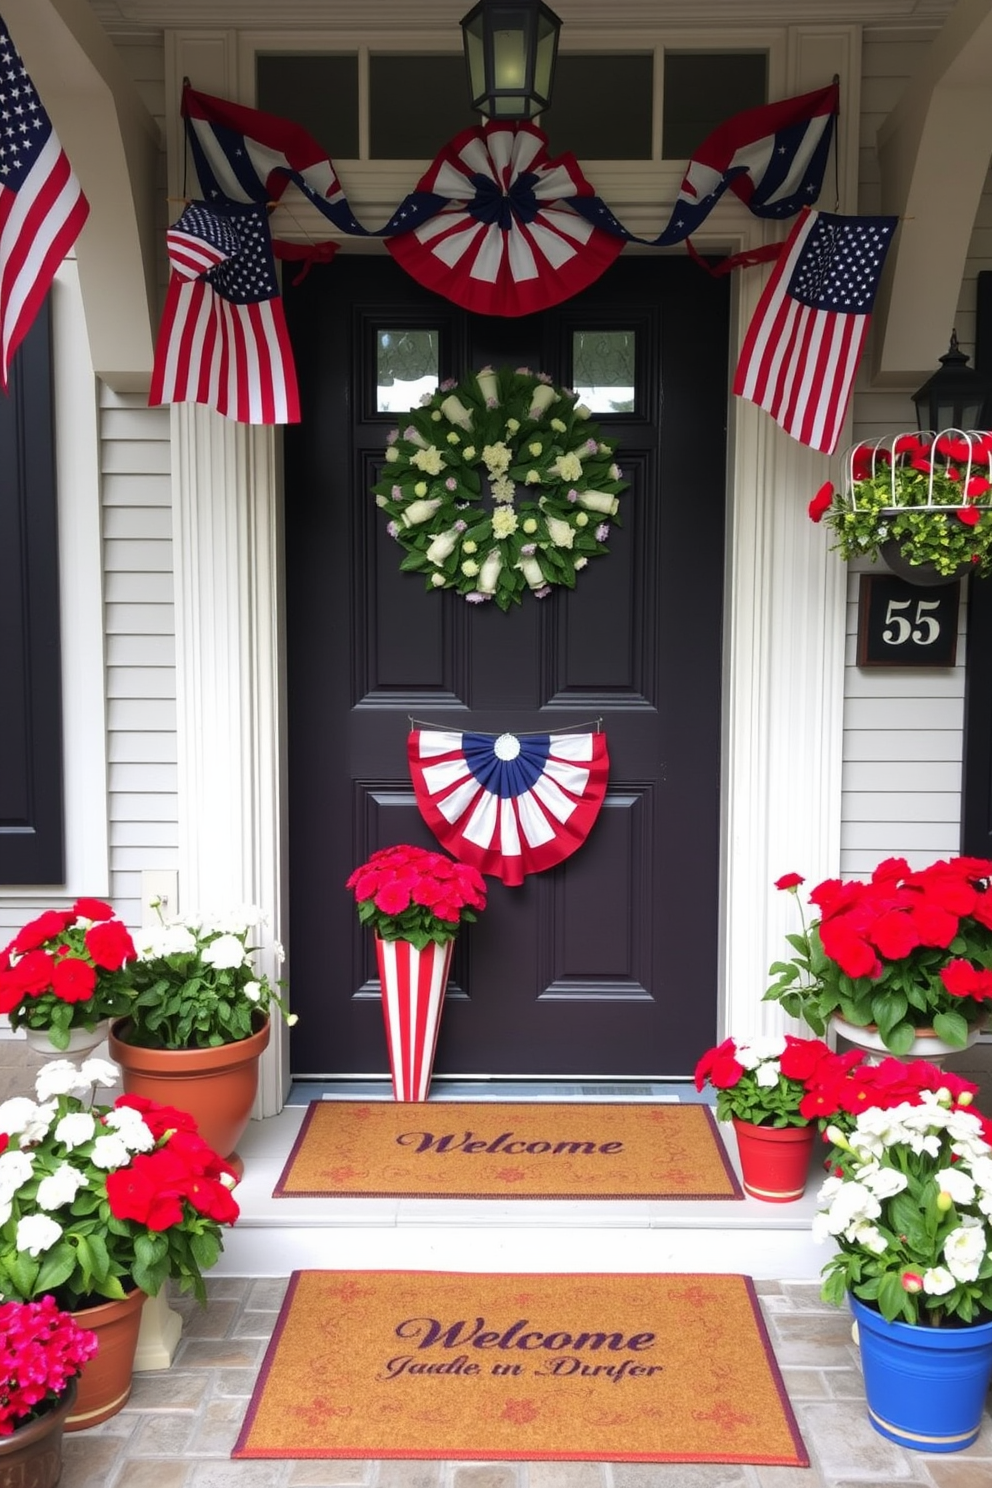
pixel 886 454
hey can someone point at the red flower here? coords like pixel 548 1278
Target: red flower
pixel 33 973
pixel 393 898
pixel 821 501
pixel 73 980
pixel 110 944
pixel 894 934
pixel 158 1119
pixel 46 927
pixel 789 881
pixel 212 1199
pixel 719 1065
pixel 969 515
pixel 891 868
pixel 802 1057
pixel 976 486
pixel 92 909
pixel 964 980
pixel 909 444
pixel 854 956
pixel 954 449
pixel 937 926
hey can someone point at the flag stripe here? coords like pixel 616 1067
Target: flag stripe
pixel 802 348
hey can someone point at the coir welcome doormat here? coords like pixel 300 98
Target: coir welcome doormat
pixel 475 1149
pixel 586 1368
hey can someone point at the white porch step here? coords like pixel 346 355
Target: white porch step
pixel 276 1236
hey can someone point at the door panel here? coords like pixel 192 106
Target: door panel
pixel 607 964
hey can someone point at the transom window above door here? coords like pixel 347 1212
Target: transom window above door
pixel 417 101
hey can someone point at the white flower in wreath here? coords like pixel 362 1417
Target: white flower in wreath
pixel 488 384
pixel 455 412
pixel 428 460
pixel 496 458
pixel 532 572
pixel 561 533
pixel 420 511
pixel 470 568
pixel 541 399
pixel 567 467
pixel 489 572
pixel 599 501
pixel 502 488
pixel 443 546
pixel 504 521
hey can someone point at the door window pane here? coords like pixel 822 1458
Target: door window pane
pixel 702 89
pixel 316 90
pixel 400 129
pixel 584 116
pixel 603 370
pixel 406 368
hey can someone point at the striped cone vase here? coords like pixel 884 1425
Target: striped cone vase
pixel 413 984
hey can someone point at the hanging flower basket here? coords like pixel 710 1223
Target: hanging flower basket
pixel 921 502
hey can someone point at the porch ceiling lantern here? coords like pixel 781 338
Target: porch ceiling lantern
pixel 510 48
pixel 956 396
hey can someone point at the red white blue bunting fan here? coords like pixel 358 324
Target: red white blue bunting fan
pixel 509 239
pixel 509 804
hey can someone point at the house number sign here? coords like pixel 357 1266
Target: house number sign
pixel 902 624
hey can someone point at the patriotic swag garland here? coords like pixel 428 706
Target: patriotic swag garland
pixel 500 484
pixel 509 805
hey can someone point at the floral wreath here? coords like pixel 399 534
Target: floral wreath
pixel 530 446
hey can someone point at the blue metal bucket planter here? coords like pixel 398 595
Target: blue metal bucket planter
pixel 926 1387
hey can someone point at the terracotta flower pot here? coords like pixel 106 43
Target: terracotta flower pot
pixel 32 1456
pixel 105 1380
pixel 216 1086
pixel 774 1160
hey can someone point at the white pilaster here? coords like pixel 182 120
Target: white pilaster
pixel 226 531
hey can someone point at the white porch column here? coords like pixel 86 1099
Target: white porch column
pixel 784 708
pixel 226 539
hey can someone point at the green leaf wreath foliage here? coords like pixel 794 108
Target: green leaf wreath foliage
pixel 499 485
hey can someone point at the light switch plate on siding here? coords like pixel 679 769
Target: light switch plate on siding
pixel 161 884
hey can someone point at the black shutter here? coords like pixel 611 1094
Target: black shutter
pixel 976 802
pixel 31 810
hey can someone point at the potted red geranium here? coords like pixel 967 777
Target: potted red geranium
pixel 61 977
pixel 763 1085
pixel 901 962
pixel 414 900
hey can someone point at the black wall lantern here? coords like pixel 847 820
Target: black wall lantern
pixel 511 49
pixel 956 396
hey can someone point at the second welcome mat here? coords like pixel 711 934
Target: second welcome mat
pixel 500 1150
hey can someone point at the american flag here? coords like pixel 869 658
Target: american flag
pixel 42 207
pixel 804 342
pixel 223 340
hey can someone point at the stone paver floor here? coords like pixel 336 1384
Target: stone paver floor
pixel 179 1427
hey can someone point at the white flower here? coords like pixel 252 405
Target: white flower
pixel 869 1236
pixel 75 1129
pixel 532 572
pixel 15 1168
pixel 110 1151
pixel 279 951
pixel 443 546
pixel 956 1183
pixel 766 1075
pixel 884 1183
pixel 599 501
pixel 35 1233
pixel 496 458
pixel 964 1250
pixel 131 1127
pixel 541 398
pixel 419 511
pixel 253 991
pixel 164 940
pixel 22 1114
pixel 489 573
pixel 820 1229
pixel 852 1204
pixel 561 533
pixel 567 467
pixel 938 1281
pixel 488 383
pixel 60 1187
pixel 225 953
pixel 99 1072
pixel 60 1077
pixel 455 412
pixel 428 460
pixel 828 1189
pixel 504 520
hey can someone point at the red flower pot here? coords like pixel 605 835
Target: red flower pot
pixel 774 1160
pixel 413 985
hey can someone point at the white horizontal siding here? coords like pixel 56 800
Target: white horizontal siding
pixel 140 645
pixel 903 726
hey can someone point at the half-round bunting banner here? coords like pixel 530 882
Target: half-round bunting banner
pixel 509 805
pixel 509 240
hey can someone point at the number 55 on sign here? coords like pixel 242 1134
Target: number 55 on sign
pixel 900 624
